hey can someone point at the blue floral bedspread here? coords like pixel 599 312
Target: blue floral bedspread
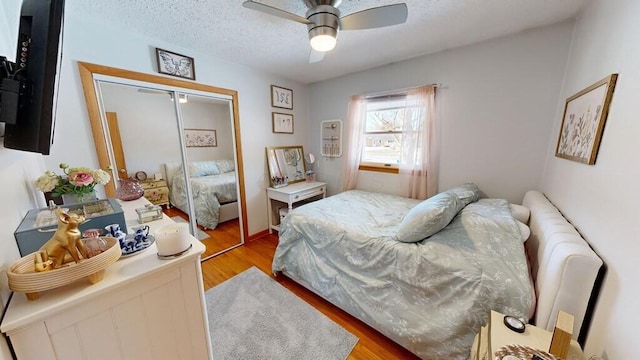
pixel 431 296
pixel 209 192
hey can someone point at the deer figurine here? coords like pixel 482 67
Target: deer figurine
pixel 65 241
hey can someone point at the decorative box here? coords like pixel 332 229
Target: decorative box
pixel 156 191
pixel 38 225
pixel 149 213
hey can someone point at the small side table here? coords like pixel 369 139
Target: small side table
pixel 290 195
pixel 496 335
pixel 156 191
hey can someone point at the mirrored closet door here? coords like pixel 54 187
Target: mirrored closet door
pixel 187 152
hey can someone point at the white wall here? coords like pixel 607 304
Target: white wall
pixel 9 23
pixel 601 200
pixel 210 116
pixel 148 127
pixel 496 107
pixel 93 41
pixel 17 195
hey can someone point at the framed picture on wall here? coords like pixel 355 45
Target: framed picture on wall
pixel 585 115
pixel 281 97
pixel 282 123
pixel 200 138
pixel 174 64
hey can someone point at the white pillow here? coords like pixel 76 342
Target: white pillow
pixel 525 232
pixel 226 166
pixel 428 217
pixel 521 213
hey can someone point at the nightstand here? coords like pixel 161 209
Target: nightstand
pixel 496 335
pixel 156 191
pixel 290 195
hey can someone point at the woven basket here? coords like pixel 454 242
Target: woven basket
pixel 522 352
pixel 23 277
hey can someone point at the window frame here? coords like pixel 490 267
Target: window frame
pixel 380 166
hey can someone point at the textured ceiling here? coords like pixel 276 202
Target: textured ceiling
pixel 225 29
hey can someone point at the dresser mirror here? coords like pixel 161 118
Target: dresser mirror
pixel 286 165
pixel 183 147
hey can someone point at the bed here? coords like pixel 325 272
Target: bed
pixel 426 273
pixel 213 184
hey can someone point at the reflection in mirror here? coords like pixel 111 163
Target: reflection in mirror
pixel 211 164
pixel 286 165
pixel 141 116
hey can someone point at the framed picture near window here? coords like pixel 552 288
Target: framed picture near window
pixel 282 123
pixel 281 97
pixel 200 138
pixel 585 114
pixel 174 64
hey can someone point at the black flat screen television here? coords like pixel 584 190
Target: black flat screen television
pixel 28 87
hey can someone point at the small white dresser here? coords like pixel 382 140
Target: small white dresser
pixel 290 195
pixel 144 308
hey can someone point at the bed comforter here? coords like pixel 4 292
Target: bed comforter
pixel 431 296
pixel 209 192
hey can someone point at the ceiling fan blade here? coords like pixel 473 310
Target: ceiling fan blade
pixel 375 17
pixel 315 56
pixel 250 4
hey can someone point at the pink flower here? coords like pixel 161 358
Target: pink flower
pixel 80 178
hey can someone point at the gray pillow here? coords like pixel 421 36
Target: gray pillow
pixel 203 168
pixel 428 217
pixel 467 193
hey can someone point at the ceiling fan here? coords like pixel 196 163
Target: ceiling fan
pixel 323 21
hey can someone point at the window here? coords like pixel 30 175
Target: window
pixel 385 129
pixel 395 134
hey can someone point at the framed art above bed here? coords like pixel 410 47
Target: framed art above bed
pixel 585 115
pixel 200 138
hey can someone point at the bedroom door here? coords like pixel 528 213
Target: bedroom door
pixel 154 132
pixel 116 145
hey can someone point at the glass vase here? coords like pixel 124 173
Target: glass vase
pixel 129 189
pixel 77 198
pixel 94 243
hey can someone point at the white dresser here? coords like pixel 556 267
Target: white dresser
pixel 144 308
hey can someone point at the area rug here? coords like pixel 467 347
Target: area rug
pixel 201 234
pixel 251 316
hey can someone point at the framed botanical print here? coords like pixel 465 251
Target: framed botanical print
pixel 282 123
pixel 585 115
pixel 281 97
pixel 200 138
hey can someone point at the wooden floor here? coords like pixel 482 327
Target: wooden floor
pixel 259 253
pixel 224 236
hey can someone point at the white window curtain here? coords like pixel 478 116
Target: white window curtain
pixel 419 153
pixel 354 140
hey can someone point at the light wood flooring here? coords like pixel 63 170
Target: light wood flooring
pixel 259 253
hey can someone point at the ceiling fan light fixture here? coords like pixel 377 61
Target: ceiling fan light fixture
pixel 323 39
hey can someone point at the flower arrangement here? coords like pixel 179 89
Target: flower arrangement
pixel 76 180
